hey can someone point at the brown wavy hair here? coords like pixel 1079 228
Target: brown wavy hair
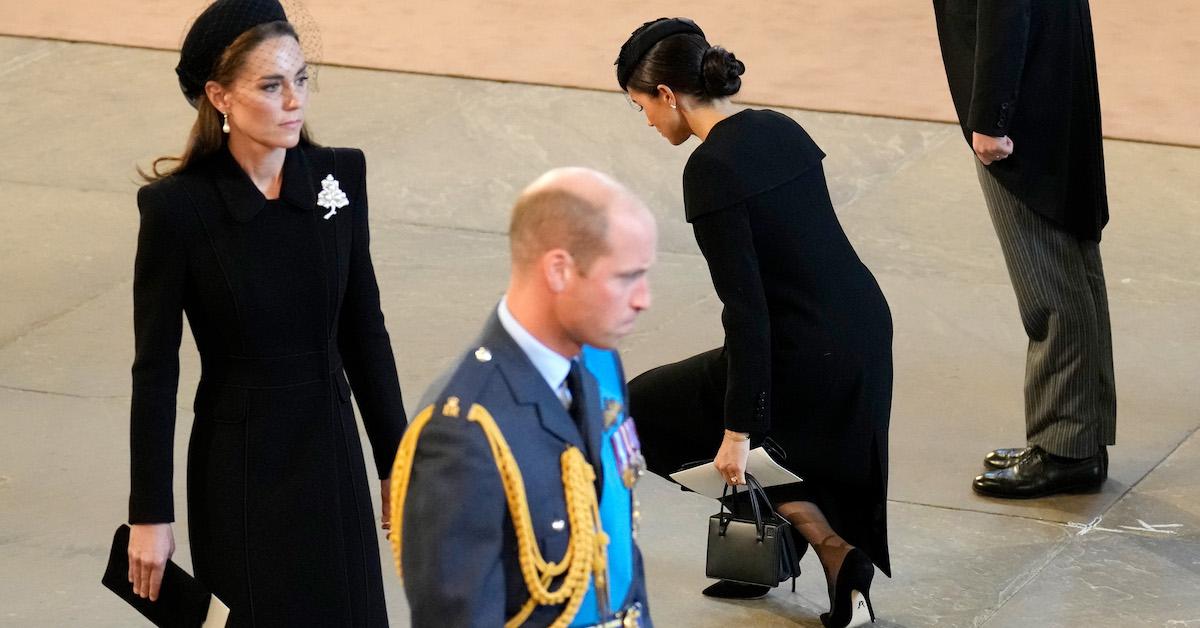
pixel 206 136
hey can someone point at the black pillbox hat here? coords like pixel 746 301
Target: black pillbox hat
pixel 212 32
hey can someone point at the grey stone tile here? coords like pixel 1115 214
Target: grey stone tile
pixel 60 247
pixel 1137 565
pixel 1113 581
pixel 928 219
pixel 85 352
pixel 1169 496
pixel 64 490
pixel 951 567
pixel 84 115
pixel 959 363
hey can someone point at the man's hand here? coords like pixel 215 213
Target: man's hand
pixel 150 547
pixel 989 149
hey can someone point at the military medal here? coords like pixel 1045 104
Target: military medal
pixel 628 451
pixel 612 410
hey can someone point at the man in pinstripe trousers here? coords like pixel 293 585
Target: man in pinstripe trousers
pixel 1022 74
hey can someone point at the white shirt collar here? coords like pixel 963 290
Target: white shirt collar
pixel 552 366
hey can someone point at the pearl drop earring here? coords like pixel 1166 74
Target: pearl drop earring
pixel 225 126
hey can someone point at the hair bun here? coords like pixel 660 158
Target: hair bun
pixel 722 72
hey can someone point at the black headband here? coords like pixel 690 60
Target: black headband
pixel 212 32
pixel 644 38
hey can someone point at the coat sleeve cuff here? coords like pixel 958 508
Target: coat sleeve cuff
pixel 995 121
pixel 150 510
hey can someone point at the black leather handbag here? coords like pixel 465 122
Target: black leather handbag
pixel 754 547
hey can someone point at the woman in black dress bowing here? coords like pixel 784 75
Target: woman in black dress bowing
pixel 260 238
pixel 807 358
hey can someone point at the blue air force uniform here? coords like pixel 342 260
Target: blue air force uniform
pixel 460 553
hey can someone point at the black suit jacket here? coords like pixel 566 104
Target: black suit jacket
pixel 1027 69
pixel 460 552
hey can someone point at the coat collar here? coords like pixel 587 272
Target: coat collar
pixel 244 200
pixel 526 383
pixel 529 387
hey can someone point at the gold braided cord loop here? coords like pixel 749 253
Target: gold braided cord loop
pixel 586 556
pixel 401 471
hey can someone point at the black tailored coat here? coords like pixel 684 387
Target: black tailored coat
pixel 807 357
pixel 459 550
pixel 283 303
pixel 1027 69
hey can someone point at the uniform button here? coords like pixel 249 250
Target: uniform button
pixel 558 525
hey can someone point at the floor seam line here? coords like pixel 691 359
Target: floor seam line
pixel 1030 576
pixel 48 320
pixel 599 90
pixel 971 510
pixel 1151 470
pixel 54 393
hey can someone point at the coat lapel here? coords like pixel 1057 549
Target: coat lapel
pixel 241 198
pixel 526 383
pixel 244 201
pixel 529 387
pixel 297 187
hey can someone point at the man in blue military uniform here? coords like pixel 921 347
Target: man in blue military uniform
pixel 513 489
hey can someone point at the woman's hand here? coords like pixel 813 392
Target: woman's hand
pixel 151 545
pixel 732 457
pixel 385 509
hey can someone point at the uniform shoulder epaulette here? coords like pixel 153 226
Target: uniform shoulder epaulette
pixel 466 384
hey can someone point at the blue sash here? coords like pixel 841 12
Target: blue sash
pixel 616 502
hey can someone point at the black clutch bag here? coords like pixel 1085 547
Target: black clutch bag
pixel 753 548
pixel 182 600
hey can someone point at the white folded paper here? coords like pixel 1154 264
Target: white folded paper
pixel 218 614
pixel 706 480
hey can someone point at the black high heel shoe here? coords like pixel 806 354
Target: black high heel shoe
pixel 852 593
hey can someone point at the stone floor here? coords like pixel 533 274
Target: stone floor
pixel 446 159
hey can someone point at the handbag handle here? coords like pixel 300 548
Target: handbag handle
pixel 756 493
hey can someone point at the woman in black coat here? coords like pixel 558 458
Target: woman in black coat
pixel 807 355
pixel 261 239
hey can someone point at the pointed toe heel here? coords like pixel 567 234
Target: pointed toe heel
pixel 852 593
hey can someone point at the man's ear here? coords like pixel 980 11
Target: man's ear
pixel 557 266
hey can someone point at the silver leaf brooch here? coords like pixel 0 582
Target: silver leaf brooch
pixel 331 196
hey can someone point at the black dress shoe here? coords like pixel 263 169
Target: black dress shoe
pixel 730 590
pixel 1038 474
pixel 1004 457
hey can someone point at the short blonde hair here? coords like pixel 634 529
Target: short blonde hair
pixel 550 218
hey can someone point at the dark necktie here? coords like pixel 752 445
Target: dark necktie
pixel 578 411
pixel 575 387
